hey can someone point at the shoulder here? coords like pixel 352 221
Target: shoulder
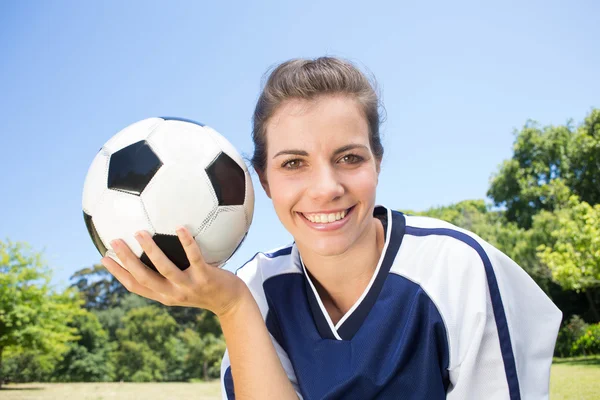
pixel 265 265
pixel 440 237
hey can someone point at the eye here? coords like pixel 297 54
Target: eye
pixel 351 159
pixel 292 164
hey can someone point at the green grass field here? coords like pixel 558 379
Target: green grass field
pixel 110 391
pixel 572 379
pixel 575 378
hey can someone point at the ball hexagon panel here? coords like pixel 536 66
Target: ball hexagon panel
pixel 131 134
pixel 171 246
pixel 131 168
pixel 94 234
pixel 120 215
pixel 179 194
pixel 228 180
pixel 184 142
pixel 224 235
pixel 95 181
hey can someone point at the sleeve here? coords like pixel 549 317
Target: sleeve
pixel 505 350
pixel 251 274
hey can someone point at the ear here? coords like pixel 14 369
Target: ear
pixel 264 183
pixel 378 166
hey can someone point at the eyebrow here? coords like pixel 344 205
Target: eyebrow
pixel 305 154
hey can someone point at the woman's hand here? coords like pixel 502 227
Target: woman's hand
pixel 201 285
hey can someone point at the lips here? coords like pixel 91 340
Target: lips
pixel 326 218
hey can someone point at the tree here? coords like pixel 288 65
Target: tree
pixel 573 254
pixel 524 183
pixel 143 344
pixel 99 289
pixel 33 318
pixel 112 318
pixel 88 358
pixel 203 354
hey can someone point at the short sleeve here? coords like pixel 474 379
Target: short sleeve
pixel 507 352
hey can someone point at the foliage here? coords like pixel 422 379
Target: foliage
pixel 574 253
pixel 568 335
pixel 524 184
pixel 143 344
pixel 98 288
pixel 589 342
pixel 33 319
pixel 136 362
pixel 88 358
pixel 111 318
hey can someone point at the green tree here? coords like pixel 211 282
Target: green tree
pixel 144 339
pixel 33 318
pixel 203 354
pixel 573 254
pixel 112 318
pixel 99 289
pixel 88 358
pixel 136 362
pixel 524 183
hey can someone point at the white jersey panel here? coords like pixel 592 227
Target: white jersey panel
pixel 485 336
pixel 533 322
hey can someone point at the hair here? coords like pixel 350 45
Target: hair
pixel 308 79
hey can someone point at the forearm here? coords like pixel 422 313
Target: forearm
pixel 256 368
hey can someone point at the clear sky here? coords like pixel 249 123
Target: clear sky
pixel 457 79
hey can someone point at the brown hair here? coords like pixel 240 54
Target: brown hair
pixel 307 79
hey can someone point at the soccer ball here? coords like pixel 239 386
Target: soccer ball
pixel 161 173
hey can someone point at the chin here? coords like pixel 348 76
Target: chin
pixel 328 247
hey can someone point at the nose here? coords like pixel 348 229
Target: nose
pixel 325 184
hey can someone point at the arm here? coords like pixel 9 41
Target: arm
pixel 256 367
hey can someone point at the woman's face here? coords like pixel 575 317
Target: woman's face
pixel 321 173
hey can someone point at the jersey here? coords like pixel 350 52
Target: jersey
pixel 444 316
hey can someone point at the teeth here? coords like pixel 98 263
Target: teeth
pixel 325 218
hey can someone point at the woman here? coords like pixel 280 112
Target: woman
pixel 367 302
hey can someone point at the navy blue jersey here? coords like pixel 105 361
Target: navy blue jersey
pixel 445 316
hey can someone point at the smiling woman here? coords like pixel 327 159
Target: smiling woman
pixel 367 302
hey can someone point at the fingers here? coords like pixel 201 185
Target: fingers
pixel 191 248
pixel 127 280
pixel 162 263
pixel 142 274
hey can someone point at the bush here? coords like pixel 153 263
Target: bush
pixel 589 342
pixel 568 335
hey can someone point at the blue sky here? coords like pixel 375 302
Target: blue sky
pixel 457 79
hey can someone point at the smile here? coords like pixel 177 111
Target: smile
pixel 326 218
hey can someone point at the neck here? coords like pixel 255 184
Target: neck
pixel 341 279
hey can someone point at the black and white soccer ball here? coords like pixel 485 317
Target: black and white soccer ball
pixel 161 173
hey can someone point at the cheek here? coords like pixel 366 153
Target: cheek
pixel 363 182
pixel 284 192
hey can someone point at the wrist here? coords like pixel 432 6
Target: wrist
pixel 233 307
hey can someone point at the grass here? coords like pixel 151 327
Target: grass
pixel 571 379
pixel 575 378
pixel 109 391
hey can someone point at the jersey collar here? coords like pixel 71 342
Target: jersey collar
pixel 351 322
